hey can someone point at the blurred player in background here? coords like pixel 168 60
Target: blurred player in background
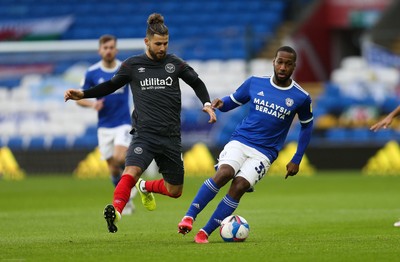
pixel 385 123
pixel 154 80
pixel 114 121
pixel 256 141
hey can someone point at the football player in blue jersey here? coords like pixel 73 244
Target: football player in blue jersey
pixel 255 143
pixel 114 120
pixel 385 123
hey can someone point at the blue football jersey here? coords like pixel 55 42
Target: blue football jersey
pixel 116 110
pixel 271 113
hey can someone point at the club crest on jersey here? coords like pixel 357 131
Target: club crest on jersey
pixel 289 101
pixel 141 70
pixel 170 68
pixel 138 150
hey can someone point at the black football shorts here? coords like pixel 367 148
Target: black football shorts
pixel 166 151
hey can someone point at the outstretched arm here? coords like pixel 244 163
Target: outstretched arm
pixel 385 123
pixel 73 94
pixel 225 104
pixel 97 104
pixel 99 90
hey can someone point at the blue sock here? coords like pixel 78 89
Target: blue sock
pixel 225 208
pixel 205 194
pixel 115 179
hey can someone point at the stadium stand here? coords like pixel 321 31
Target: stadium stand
pixel 357 94
pixel 218 38
pixel 214 40
pixel 217 31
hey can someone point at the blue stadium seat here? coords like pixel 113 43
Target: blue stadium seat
pixel 360 134
pixel 276 6
pixel 16 143
pixel 383 135
pixel 59 142
pixel 13 82
pixel 85 142
pixel 337 135
pixel 36 143
pixel 91 130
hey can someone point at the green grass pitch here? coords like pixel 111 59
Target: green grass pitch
pixel 336 216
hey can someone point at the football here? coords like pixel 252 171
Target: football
pixel 234 228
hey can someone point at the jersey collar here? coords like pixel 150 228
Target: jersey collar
pixel 279 87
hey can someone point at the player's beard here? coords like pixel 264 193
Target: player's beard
pixel 155 56
pixel 109 59
pixel 282 81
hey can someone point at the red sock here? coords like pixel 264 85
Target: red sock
pixel 157 186
pixel 122 192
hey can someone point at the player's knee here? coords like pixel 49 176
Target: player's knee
pixel 240 185
pixel 118 161
pixel 224 174
pixel 238 188
pixel 174 191
pixel 114 170
pixel 175 195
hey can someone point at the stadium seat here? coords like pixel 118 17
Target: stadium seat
pixel 60 142
pixel 360 135
pixel 86 141
pixel 383 135
pixel 337 135
pixel 37 143
pixel 353 63
pixel 91 130
pixel 18 143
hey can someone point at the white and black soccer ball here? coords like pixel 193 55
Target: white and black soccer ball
pixel 234 228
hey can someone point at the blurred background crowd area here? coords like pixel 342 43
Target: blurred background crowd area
pixel 348 60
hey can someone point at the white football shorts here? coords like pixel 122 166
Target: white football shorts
pixel 111 137
pixel 247 162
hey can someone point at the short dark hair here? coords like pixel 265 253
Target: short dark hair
pixel 105 38
pixel 287 49
pixel 155 25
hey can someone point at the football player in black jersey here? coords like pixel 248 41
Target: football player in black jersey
pixel 154 80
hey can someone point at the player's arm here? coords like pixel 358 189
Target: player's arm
pixel 306 120
pixel 225 104
pixel 202 93
pixel 85 103
pixel 190 77
pixel 238 98
pixel 293 166
pixel 88 83
pixel 99 90
pixel 304 140
pixel 95 104
pixel 385 123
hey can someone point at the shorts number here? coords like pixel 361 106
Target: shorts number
pixel 261 171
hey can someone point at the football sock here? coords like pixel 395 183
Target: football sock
pixel 156 186
pixel 122 192
pixel 115 179
pixel 225 208
pixel 205 194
